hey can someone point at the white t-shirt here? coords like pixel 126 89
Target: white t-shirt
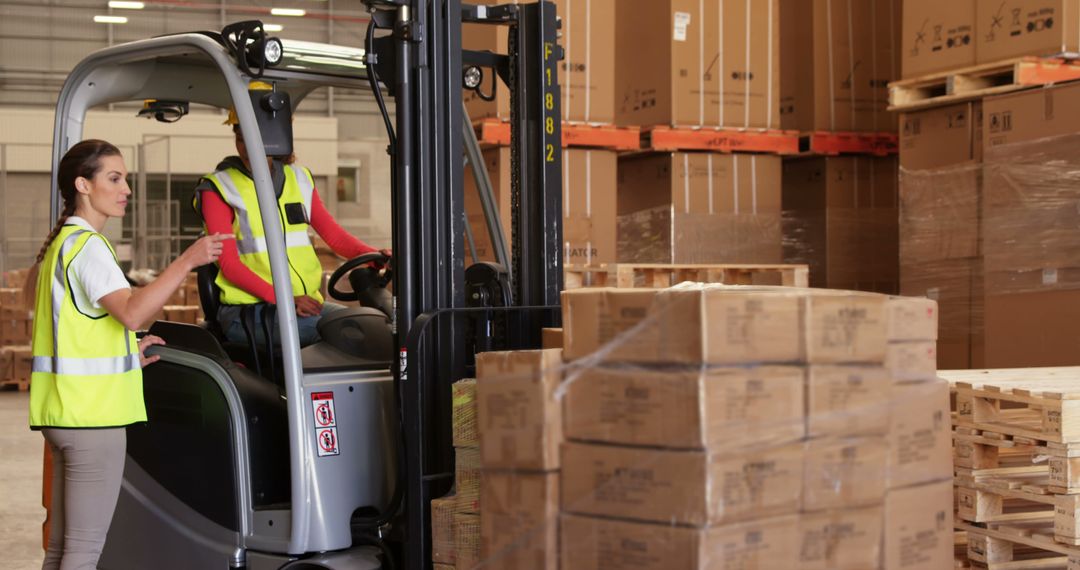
pixel 94 272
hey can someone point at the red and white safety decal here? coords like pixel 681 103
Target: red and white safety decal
pixel 325 419
pixel 327 441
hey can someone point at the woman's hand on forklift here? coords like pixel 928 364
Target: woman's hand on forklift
pixel 145 343
pixel 307 307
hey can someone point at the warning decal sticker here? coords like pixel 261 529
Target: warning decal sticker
pixel 325 419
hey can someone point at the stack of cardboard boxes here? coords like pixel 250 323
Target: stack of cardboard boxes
pixel 767 427
pixel 586 82
pixel 520 418
pixel 708 65
pixel 764 427
pixel 840 213
pixel 16 328
pixel 985 191
pixel 455 535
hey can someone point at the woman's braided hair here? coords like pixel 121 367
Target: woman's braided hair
pixel 82 160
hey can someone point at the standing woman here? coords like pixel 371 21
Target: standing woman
pixel 86 385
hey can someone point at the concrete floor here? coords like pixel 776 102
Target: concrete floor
pixel 21 512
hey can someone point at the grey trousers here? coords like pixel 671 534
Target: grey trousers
pixel 88 467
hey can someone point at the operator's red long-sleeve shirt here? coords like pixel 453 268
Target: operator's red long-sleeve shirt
pixel 219 219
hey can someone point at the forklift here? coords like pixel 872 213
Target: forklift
pixel 327 457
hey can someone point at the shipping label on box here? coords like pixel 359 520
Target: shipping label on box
pixel 609 544
pixel 714 408
pixel 920 434
pixel 848 400
pixel 1015 28
pixel 689 487
pixel 937 36
pixel 842 473
pixel 919 527
pixel 519 520
pixel 848 539
pixel 519 416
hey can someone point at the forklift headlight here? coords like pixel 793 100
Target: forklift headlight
pixel 472 77
pixel 273 51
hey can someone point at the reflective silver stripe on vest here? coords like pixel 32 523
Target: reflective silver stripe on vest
pixel 59 286
pixel 305 186
pixel 232 195
pixel 86 366
pixel 258 245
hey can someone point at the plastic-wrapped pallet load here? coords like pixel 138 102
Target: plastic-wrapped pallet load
pixel 667 401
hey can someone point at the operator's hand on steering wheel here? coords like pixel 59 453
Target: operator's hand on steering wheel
pixel 145 343
pixel 387 252
pixel 307 306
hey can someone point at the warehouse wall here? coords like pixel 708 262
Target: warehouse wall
pixel 41 40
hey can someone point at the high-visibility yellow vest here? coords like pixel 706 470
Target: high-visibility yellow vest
pixel 86 370
pixel 238 190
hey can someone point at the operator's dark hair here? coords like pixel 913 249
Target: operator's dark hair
pixel 81 161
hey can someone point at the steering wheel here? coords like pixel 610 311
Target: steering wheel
pixel 376 257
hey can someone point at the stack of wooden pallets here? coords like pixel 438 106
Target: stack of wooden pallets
pixel 1016 436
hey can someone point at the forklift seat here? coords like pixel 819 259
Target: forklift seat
pixel 210 298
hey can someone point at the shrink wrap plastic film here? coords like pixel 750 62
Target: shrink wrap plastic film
pixel 712 426
pixel 844 247
pixel 664 235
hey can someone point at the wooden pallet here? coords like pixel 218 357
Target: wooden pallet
pixel 1037 403
pixel 979 453
pixel 1017 546
pixel 979 81
pixel 837 143
pixel 496 132
pixel 1018 496
pixel 668 139
pixel 658 275
pixel 21 384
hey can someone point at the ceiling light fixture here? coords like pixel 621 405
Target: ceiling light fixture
pixel 125 5
pixel 273 27
pixel 110 19
pixel 297 12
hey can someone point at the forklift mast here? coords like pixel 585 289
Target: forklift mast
pixel 421 64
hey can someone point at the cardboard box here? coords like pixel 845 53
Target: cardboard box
pixel 22 362
pixel 937 36
pixel 12 298
pixel 519 416
pixel 15 330
pixel 957 287
pixel 699 208
pixel 1014 28
pixel 586 74
pixel 7 364
pixel 849 539
pixel 606 544
pixel 1033 329
pixel 912 361
pixel 847 400
pixel 182 314
pixel 710 325
pixel 920 434
pixel 708 64
pixel 463 412
pixel 681 487
pixel 941 136
pixel 443 545
pixel 912 319
pixel 520 520
pixel 551 338
pixel 719 325
pixel 467 479
pixel 467 540
pixel 840 218
pixel 708 408
pixel 834 75
pixel 842 473
pixel 589 218
pixel 919 527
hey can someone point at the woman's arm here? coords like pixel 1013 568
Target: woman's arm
pixel 342 242
pixel 135 309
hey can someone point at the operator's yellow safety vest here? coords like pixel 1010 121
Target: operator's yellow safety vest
pixel 238 190
pixel 86 371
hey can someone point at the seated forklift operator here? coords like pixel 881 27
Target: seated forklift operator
pixel 227 202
